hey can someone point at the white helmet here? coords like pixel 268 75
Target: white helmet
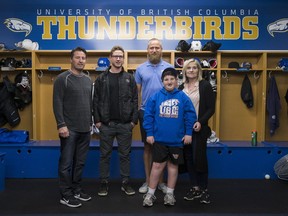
pixel 196 46
pixel 27 44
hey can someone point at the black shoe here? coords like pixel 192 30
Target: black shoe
pixel 192 194
pixel 205 197
pixel 70 202
pixel 82 196
pixel 126 187
pixel 103 190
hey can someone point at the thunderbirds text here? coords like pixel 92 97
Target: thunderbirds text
pixel 146 27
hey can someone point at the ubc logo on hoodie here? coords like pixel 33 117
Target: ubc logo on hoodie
pixel 169 108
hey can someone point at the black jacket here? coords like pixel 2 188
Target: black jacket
pixel 128 98
pixel 206 105
pixel 206 111
pixel 273 105
pixel 8 110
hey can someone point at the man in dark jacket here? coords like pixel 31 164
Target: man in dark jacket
pixel 115 113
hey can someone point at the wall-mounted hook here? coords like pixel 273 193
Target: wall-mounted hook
pixel 256 75
pixel 40 74
pixel 225 75
pixel 88 73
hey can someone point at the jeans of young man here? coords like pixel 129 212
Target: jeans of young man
pixel 123 135
pixel 196 178
pixel 74 151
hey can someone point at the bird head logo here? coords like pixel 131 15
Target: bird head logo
pixel 280 26
pixel 18 25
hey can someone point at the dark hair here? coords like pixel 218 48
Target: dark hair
pixel 114 48
pixel 77 49
pixel 169 71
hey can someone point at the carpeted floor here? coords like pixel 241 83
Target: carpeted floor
pixel 32 197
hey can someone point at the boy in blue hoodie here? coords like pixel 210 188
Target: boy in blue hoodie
pixel 168 121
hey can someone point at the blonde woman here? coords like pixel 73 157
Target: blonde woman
pixel 201 94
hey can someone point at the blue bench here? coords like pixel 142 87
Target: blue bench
pixel 39 159
pixel 2 171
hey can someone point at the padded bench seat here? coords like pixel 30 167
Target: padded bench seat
pixel 2 171
pixel 229 159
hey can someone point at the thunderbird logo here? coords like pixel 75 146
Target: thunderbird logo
pixel 18 25
pixel 278 26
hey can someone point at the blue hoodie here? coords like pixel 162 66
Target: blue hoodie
pixel 169 116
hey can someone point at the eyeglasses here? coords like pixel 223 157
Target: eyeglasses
pixel 117 56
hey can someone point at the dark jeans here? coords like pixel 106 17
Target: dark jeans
pixel 123 135
pixel 199 179
pixel 74 150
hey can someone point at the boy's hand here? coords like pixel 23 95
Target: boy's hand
pixel 187 139
pixel 150 140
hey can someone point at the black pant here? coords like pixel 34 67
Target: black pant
pixel 74 151
pixel 123 134
pixel 197 178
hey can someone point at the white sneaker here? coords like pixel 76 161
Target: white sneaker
pixel 169 199
pixel 144 188
pixel 213 138
pixel 148 199
pixel 162 187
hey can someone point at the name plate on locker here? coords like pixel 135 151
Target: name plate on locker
pixel 54 68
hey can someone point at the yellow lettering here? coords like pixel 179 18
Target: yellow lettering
pixel 127 27
pixel 183 27
pixel 163 26
pixel 69 27
pixel 46 21
pixel 197 28
pixel 213 24
pixel 88 32
pixel 232 27
pixel 146 27
pixel 103 26
pixel 252 31
pixel 144 31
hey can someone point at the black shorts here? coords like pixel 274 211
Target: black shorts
pixel 162 153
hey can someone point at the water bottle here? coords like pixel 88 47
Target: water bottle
pixel 254 138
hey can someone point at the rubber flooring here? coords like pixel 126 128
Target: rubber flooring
pixel 228 197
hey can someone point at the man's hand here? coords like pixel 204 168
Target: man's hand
pixel 63 132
